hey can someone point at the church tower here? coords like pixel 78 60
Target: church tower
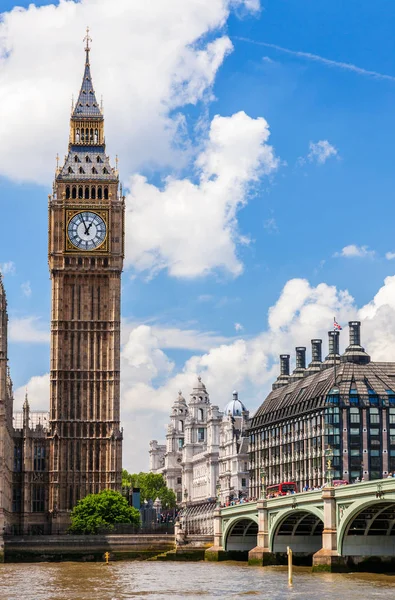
pixel 86 251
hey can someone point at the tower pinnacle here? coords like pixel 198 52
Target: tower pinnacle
pixel 86 105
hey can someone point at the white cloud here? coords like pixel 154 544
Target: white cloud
pixel 239 327
pixel 353 251
pixel 38 393
pixel 390 255
pixel 26 289
pixel 7 268
pixel 190 228
pixel 28 330
pixel 321 151
pixel 148 60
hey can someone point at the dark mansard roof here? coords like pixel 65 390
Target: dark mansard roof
pixel 357 381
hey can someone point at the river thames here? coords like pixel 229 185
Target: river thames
pixel 155 580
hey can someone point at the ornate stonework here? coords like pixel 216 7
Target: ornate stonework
pixel 86 250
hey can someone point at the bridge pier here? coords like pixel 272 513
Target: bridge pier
pixel 328 558
pixel 261 555
pixel 216 553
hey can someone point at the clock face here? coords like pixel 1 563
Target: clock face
pixel 86 230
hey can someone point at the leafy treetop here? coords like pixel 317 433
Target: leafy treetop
pixel 152 486
pixel 102 511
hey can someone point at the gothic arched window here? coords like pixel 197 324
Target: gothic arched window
pixel 96 136
pixel 200 414
pixel 80 192
pixel 93 193
pixel 82 134
pixel 100 193
pixel 74 192
pixel 106 193
pixel 67 192
pixel 77 135
pixel 86 193
pixel 81 170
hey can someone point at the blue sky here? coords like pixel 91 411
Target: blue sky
pixel 298 216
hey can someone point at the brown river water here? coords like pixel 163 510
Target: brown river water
pixel 189 581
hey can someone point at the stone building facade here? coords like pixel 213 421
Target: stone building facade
pixel 206 450
pixel 51 460
pixel 335 418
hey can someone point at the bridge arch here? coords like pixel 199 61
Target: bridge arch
pixel 241 534
pixel 368 529
pixel 299 528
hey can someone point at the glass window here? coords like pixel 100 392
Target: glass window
pixel 179 480
pixel 354 431
pixel 38 504
pixel 17 459
pixel 200 434
pixel 16 499
pixel 180 443
pixel 39 458
pixel 355 452
pixel 374 419
pixel 374 431
pixel 243 482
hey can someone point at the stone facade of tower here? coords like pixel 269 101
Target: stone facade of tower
pixel 206 451
pixel 86 250
pixel 23 452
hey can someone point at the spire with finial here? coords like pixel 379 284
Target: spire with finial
pixel 26 405
pixel 87 105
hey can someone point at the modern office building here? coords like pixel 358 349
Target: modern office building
pixel 341 410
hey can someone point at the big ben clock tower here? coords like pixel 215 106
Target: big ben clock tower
pixel 86 250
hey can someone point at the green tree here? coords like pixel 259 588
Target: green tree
pixel 103 510
pixel 152 486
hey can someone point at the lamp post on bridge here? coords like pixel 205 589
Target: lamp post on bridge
pixel 262 476
pixel 329 467
pixel 218 493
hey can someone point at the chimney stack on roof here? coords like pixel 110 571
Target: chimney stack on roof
pixel 283 378
pixel 354 352
pixel 316 357
pixel 333 354
pixel 300 369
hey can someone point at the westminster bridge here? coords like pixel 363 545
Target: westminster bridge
pixel 336 527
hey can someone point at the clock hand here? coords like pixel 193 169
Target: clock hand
pixel 83 220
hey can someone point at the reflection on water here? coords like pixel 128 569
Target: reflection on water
pixel 155 580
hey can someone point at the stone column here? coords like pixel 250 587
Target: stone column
pixel 216 552
pixel 261 554
pixel 328 558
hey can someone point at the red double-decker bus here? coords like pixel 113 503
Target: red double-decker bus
pixel 281 489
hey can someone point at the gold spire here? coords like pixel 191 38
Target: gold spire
pixel 87 39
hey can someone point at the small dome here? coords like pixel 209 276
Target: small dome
pixel 235 407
